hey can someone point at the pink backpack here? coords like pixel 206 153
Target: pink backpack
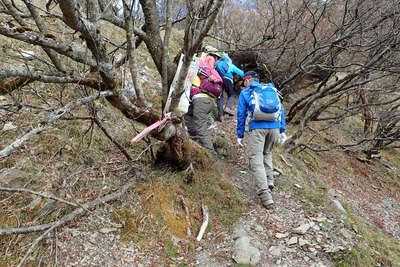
pixel 210 81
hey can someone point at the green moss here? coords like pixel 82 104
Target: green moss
pixel 171 251
pixel 129 221
pixel 374 247
pixel 224 148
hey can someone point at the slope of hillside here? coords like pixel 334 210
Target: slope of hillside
pixel 156 222
pixel 151 224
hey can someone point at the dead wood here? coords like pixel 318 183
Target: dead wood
pixel 78 212
pixel 204 224
pixel 24 190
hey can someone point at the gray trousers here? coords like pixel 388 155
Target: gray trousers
pixel 197 122
pixel 261 142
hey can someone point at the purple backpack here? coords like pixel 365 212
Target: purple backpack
pixel 210 83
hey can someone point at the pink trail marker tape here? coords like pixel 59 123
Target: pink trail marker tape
pixel 150 128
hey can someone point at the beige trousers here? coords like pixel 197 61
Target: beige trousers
pixel 261 143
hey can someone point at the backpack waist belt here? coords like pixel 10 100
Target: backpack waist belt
pixel 224 77
pixel 202 95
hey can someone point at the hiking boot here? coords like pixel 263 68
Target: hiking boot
pixel 268 204
pixel 266 198
pixel 229 111
pixel 219 118
pixel 270 183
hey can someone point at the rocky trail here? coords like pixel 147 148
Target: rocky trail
pixel 284 236
pixel 287 235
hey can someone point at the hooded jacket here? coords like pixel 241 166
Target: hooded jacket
pixel 246 104
pixel 226 68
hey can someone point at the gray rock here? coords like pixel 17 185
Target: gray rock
pixel 336 204
pixel 258 228
pixel 316 228
pixel 292 241
pixel 303 242
pixel 244 253
pixel 280 235
pixel 319 219
pixel 9 126
pixel 334 193
pixel 275 251
pixel 302 229
pixel 346 233
pixel 239 232
pixel 108 230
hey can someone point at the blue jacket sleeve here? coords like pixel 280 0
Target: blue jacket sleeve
pixel 234 69
pixel 282 127
pixel 241 115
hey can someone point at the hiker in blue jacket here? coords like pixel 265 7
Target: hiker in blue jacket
pixel 226 70
pixel 263 135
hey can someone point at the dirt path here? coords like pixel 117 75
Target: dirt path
pixel 274 233
pixel 296 232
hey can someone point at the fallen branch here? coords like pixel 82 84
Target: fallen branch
pixel 24 190
pixel 285 161
pixel 187 217
pixel 24 230
pixel 69 217
pixel 47 124
pixel 205 222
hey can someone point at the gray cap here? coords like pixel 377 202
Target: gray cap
pixel 251 75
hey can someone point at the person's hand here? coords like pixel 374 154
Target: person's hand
pixel 282 138
pixel 240 142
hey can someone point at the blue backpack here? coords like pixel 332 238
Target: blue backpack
pixel 267 105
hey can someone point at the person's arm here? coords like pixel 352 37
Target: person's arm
pixel 282 127
pixel 234 69
pixel 241 115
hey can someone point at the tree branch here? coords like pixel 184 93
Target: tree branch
pixel 35 38
pixel 47 124
pixel 118 145
pixel 43 29
pixel 24 190
pixel 69 217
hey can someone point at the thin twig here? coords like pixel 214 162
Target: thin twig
pixel 45 125
pixel 187 217
pixel 24 190
pixel 69 217
pixel 285 161
pixel 120 147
